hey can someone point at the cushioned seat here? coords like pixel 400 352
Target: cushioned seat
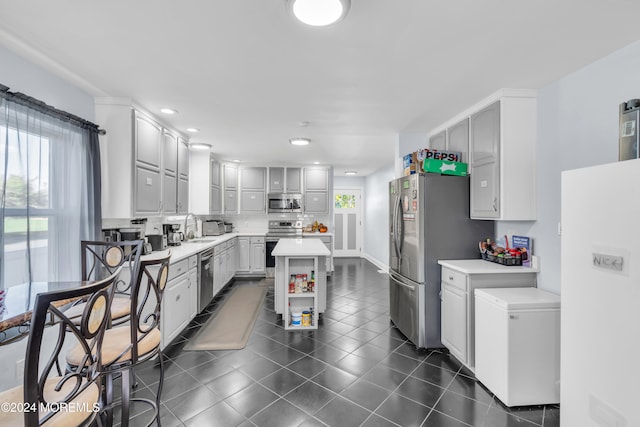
pixel 81 408
pixel 120 308
pixel 116 346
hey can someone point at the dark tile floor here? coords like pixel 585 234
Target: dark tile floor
pixel 355 370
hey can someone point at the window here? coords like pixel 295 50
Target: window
pixel 48 191
pixel 345 201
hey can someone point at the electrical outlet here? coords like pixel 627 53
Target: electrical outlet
pixel 20 370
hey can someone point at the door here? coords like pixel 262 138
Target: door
pixel 406 308
pixel 409 238
pixel 454 321
pixel 484 162
pixel 347 222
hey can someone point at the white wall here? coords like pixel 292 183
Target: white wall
pixel 577 127
pixel 23 76
pixel 376 217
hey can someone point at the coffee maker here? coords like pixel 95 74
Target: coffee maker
pixel 174 236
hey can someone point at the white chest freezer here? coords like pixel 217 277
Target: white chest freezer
pixel 518 344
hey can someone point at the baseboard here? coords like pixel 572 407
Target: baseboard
pixel 375 262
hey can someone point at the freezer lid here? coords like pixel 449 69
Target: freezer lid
pixel 519 298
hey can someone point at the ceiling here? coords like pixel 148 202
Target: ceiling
pixel 249 77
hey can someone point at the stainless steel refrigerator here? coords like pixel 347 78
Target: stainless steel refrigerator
pixel 428 221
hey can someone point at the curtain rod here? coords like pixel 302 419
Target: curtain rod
pixel 41 107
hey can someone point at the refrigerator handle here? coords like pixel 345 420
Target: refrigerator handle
pixel 412 288
pixel 397 231
pixel 401 234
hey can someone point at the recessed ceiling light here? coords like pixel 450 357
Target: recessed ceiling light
pixel 200 146
pixel 236 160
pixel 193 130
pixel 299 141
pixel 319 13
pixel 169 111
pixel 316 163
pixel 350 172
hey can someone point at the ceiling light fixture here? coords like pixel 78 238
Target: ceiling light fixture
pixel 193 130
pixel 299 141
pixel 350 172
pixel 200 146
pixel 169 111
pixel 319 13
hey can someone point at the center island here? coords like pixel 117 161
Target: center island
pixel 300 286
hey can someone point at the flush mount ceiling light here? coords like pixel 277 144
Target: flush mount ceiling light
pixel 350 172
pixel 299 141
pixel 319 13
pixel 200 146
pixel 169 111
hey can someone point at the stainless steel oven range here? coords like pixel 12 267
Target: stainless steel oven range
pixel 278 230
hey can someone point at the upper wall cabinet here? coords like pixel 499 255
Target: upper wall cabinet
pixel 140 162
pixel 230 173
pixel 252 194
pixel 458 139
pixel 316 190
pixel 438 141
pixel 148 179
pixel 285 180
pixel 502 140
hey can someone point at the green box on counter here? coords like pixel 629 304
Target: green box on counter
pixel 445 167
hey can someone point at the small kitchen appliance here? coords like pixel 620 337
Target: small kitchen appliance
pixel 284 202
pixel 174 236
pixel 158 241
pixel 212 227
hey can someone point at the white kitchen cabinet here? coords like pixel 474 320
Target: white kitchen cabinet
pixel 458 139
pixel 316 179
pixel 459 280
pixel 251 255
pixel 438 141
pixel 140 169
pixel 253 186
pixel 147 144
pixel 180 298
pixel 183 176
pixel 285 180
pixel 293 180
pixel 224 264
pixel 316 202
pixel 502 139
pixel 215 191
pixel 276 180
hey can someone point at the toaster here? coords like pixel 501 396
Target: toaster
pixel 212 228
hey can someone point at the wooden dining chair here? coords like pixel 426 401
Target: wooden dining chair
pixel 126 347
pixel 100 259
pixel 47 396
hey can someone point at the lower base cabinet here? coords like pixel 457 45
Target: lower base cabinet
pixel 180 299
pixel 459 280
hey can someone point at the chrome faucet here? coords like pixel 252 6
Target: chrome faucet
pixel 188 235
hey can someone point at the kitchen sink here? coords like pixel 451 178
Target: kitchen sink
pixel 203 239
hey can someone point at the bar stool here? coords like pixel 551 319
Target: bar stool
pixel 102 258
pixel 125 347
pixel 47 396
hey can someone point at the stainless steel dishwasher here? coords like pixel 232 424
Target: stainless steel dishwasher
pixel 205 273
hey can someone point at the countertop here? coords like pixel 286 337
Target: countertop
pixel 193 247
pixel 479 266
pixel 300 247
pixel 316 234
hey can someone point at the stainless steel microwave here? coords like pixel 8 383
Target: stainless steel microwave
pixel 284 202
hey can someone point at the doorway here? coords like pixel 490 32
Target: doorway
pixel 347 222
